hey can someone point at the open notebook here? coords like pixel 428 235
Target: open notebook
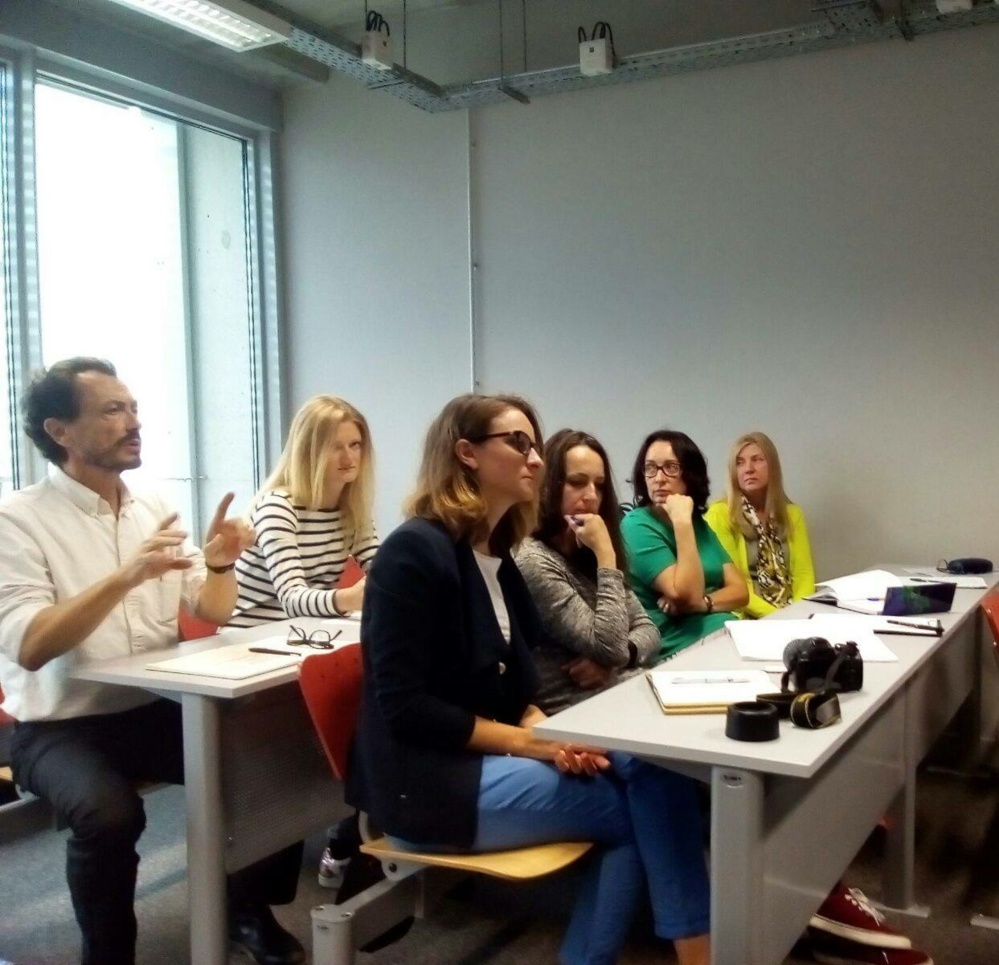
pixel 706 691
pixel 881 592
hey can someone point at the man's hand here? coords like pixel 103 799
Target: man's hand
pixel 226 538
pixel 587 673
pixel 158 554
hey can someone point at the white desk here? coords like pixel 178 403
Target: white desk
pixel 256 778
pixel 788 816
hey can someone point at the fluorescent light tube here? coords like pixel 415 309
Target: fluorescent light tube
pixel 232 23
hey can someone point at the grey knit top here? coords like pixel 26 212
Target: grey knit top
pixel 582 619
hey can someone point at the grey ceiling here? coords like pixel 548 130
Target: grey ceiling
pixel 452 54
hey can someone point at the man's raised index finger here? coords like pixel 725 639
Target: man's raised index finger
pixel 168 522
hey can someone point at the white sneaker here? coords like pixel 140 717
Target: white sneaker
pixel 331 870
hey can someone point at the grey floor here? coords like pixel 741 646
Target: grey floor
pixel 483 922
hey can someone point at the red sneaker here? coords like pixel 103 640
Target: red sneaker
pixel 846 913
pixel 836 951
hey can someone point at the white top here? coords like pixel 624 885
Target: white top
pixel 58 538
pixel 297 559
pixel 490 567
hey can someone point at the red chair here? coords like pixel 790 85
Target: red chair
pixel 192 627
pixel 983 876
pixel 990 607
pixel 351 574
pixel 6 728
pixel 331 686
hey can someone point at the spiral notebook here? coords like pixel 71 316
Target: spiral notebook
pixel 706 691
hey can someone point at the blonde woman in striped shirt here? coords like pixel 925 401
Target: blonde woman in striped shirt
pixel 311 515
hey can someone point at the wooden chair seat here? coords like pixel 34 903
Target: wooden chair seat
pixel 331 686
pixel 517 864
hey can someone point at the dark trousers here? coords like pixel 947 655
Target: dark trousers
pixel 84 767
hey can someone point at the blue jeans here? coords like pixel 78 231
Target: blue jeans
pixel 646 819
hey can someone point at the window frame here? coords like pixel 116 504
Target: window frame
pixel 25 67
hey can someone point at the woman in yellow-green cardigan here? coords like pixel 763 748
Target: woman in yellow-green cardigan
pixel 762 531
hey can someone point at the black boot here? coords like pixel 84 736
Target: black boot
pixel 256 931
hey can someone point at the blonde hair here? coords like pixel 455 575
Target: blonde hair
pixel 303 466
pixel 776 502
pixel 447 490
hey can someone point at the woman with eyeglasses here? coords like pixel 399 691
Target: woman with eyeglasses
pixel 678 568
pixel 761 529
pixel 445 757
pixel 595 629
pixel 311 515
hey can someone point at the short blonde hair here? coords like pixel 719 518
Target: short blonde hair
pixel 776 502
pixel 304 463
pixel 448 491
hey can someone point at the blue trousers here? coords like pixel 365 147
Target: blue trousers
pixel 645 818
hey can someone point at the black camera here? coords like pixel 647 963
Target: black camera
pixel 815 664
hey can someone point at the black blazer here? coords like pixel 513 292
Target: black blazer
pixel 434 659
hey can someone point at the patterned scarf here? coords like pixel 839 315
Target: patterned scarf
pixel 772 576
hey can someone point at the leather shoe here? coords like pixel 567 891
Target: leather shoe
pixel 257 932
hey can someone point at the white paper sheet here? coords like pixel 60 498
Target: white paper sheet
pixel 961 582
pixel 766 639
pixel 234 662
pixel 907 626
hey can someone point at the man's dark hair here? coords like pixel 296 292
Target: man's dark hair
pixel 53 394
pixel 693 468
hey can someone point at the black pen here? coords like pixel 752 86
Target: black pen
pixel 280 653
pixel 935 630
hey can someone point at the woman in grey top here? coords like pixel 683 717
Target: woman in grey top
pixel 595 630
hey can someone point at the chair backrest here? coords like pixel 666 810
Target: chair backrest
pixel 990 607
pixel 192 627
pixel 331 686
pixel 352 573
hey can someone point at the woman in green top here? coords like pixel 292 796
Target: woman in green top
pixel 678 569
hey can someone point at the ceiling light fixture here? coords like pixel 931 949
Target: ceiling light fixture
pixel 232 23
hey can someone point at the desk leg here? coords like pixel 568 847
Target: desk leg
pixel 205 830
pixel 898 880
pixel 736 836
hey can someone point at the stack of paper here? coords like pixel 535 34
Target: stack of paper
pixel 706 691
pixel 766 639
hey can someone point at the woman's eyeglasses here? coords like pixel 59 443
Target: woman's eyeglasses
pixel 652 469
pixel 517 439
pixel 317 639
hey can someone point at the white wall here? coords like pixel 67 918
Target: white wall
pixel 376 266
pixel 804 246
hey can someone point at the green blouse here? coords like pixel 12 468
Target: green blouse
pixel 651 547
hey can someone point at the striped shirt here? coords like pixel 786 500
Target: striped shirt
pixel 297 559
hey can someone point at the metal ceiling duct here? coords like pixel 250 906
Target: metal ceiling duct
pixel 838 23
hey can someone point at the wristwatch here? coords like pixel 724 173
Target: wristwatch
pixel 709 604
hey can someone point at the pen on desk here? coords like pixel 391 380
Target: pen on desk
pixel 280 653
pixel 938 629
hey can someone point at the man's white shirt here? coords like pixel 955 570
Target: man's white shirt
pixel 57 539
